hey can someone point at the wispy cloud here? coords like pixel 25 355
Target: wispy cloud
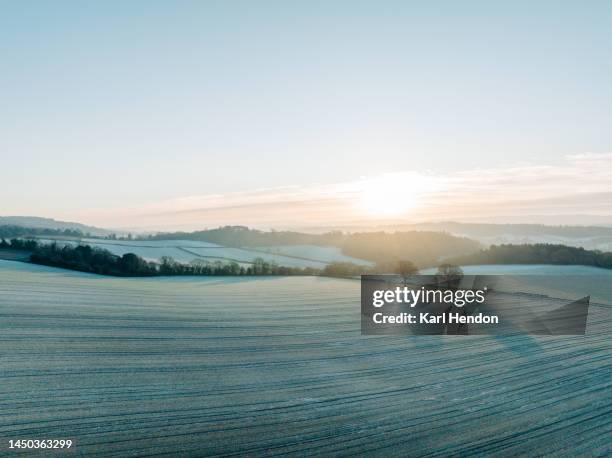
pixel 580 185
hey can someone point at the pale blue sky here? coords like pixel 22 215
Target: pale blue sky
pixel 118 104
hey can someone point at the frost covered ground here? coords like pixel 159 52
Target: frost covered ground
pixel 187 250
pixel 324 254
pixel 273 365
pixel 567 282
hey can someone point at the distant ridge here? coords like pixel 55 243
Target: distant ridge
pixel 491 229
pixel 588 237
pixel 50 223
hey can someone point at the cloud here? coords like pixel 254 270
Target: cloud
pixel 580 185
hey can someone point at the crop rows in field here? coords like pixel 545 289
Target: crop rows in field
pixel 241 365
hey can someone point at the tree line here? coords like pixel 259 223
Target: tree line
pixel 85 258
pixel 422 247
pixel 539 253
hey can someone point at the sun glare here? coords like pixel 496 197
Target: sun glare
pixel 390 195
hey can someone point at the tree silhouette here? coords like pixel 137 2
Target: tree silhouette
pixel 449 275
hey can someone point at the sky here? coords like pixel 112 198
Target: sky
pixel 293 114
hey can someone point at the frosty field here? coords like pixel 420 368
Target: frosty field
pixel 188 250
pixel 277 365
pixel 568 282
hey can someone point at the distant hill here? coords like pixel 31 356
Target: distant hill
pixel 588 237
pixel 424 248
pixel 539 253
pixel 422 243
pixel 516 229
pixel 242 236
pixel 49 223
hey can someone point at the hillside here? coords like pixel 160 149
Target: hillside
pixel 588 237
pixel 37 222
pixel 240 366
pixel 424 248
pixel 540 253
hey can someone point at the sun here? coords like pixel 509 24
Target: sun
pixel 390 195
